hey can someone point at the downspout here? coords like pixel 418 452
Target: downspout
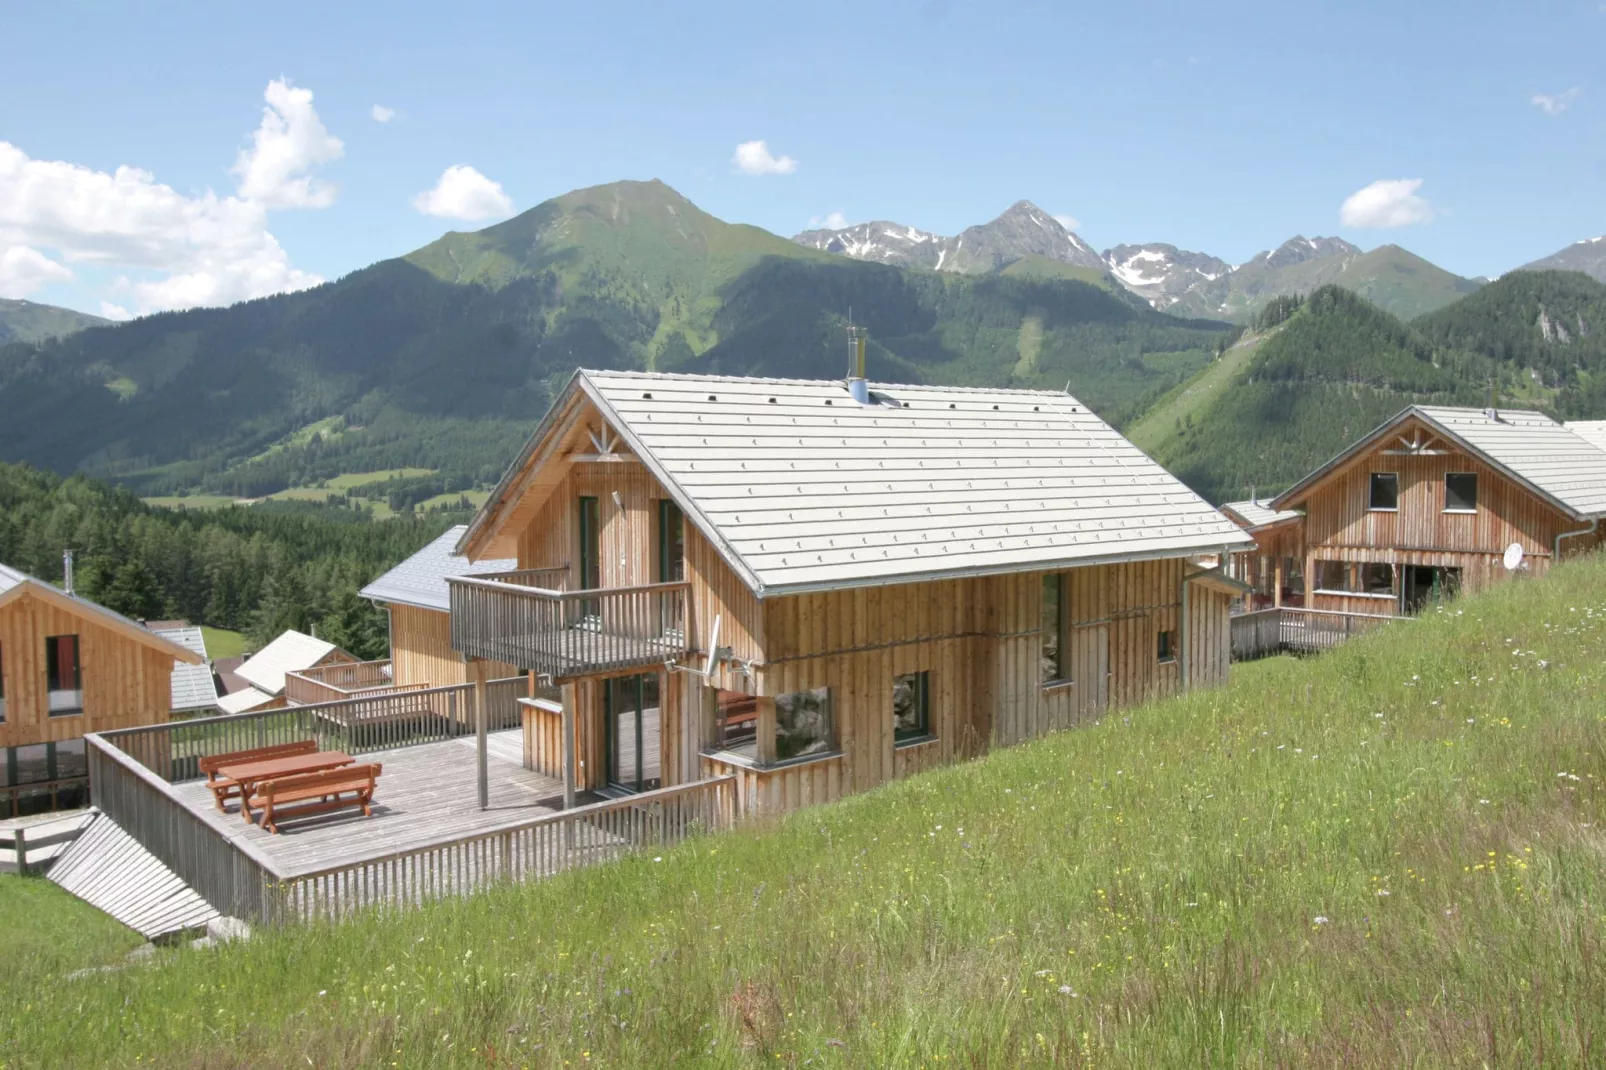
pixel 1555 554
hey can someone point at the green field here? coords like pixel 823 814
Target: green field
pixel 1390 855
pixel 1193 395
pixel 337 485
pixel 222 643
pixel 190 501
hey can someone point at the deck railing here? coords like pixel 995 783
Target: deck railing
pixel 330 683
pixel 238 879
pixel 537 848
pixel 1270 631
pixel 563 634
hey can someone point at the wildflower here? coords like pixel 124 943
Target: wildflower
pixel 1483 802
pixel 658 858
pixel 1065 990
pixel 1320 919
pixel 1382 892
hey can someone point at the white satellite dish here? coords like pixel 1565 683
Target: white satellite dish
pixel 1513 557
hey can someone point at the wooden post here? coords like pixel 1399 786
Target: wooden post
pixel 476 669
pixel 19 842
pixel 1277 583
pixel 571 698
pixel 766 730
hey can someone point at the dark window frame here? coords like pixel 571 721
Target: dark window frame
pixel 671 535
pixel 1053 632
pixel 1367 579
pixel 921 683
pixel 1381 479
pixel 1449 507
pixel 54 678
pixel 1165 646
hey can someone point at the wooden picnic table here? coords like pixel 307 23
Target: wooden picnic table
pixel 249 774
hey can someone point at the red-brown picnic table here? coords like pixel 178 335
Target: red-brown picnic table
pixel 250 774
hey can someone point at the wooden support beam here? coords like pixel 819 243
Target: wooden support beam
pixel 571 701
pixel 482 700
pixel 766 729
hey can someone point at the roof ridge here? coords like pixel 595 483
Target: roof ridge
pixel 691 377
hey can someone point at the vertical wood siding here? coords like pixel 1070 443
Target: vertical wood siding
pixel 421 650
pixel 125 683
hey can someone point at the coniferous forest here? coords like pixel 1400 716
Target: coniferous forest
pixel 256 569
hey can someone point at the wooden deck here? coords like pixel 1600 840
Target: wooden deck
pixel 425 795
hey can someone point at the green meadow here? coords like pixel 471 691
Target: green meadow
pixel 1390 855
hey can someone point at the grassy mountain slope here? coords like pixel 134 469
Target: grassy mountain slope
pixel 445 358
pixel 1392 278
pixel 1389 855
pixel 25 321
pixel 1187 400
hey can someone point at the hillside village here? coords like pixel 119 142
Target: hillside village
pixel 1068 537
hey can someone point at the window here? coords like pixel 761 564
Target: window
pixel 1167 646
pixel 32 764
pixel 1377 579
pixel 671 542
pixel 803 723
pixel 61 667
pixel 1332 576
pixel 590 557
pixel 1461 492
pixel 911 707
pixel 71 760
pixel 1052 624
pixel 736 723
pixel 1385 492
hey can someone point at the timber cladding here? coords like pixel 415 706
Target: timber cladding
pixel 421 649
pixel 125 683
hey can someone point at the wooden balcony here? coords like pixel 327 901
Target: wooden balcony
pixel 332 683
pixel 507 617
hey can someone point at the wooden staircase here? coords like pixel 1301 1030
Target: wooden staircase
pixel 108 869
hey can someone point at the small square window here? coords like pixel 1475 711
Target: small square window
pixel 1168 646
pixel 1332 576
pixel 911 706
pixel 1385 491
pixel 1461 492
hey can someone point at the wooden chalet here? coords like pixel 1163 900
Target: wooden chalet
pixel 822 586
pixel 1436 500
pixel 69 667
pixel 1274 569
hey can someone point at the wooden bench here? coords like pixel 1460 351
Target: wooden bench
pixel 223 788
pixel 315 793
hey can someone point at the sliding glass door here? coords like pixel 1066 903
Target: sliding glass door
pixel 631 723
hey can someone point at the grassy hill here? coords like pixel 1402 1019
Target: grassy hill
pixel 1388 855
pixel 1339 366
pixel 26 321
pixel 445 358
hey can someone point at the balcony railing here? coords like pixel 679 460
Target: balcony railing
pixel 331 683
pixel 564 634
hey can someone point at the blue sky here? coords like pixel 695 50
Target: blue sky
pixel 1225 128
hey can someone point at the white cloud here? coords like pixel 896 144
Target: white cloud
pixel 382 114
pixel 24 269
pixel 1388 202
pixel 464 193
pixel 115 312
pixel 290 141
pixel 1555 103
pixel 755 158
pixel 1069 222
pixel 829 221
pixel 210 250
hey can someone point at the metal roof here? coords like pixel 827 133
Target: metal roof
pixel 1553 461
pixel 421 579
pixel 292 651
pixel 1257 514
pixel 243 701
pixel 193 686
pixel 14 581
pixel 802 488
pixel 1591 431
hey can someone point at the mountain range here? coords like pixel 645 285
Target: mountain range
pixel 25 321
pixel 1588 256
pixel 1171 279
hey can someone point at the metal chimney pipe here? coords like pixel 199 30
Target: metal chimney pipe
pixel 66 570
pixel 858 386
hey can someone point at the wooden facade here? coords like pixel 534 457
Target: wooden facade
pixel 1122 636
pixel 421 649
pixel 1423 547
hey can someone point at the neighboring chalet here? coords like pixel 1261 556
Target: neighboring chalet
pixel 194 688
pixel 270 672
pixel 1436 500
pixel 821 587
pixel 1275 568
pixel 415 596
pixel 67 667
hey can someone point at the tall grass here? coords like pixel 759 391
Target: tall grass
pixel 1390 855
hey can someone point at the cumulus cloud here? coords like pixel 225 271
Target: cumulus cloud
pixel 290 141
pixel 1555 103
pixel 829 221
pixel 464 193
pixel 382 114
pixel 24 269
pixel 1069 222
pixel 1388 202
pixel 755 158
pixel 114 312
